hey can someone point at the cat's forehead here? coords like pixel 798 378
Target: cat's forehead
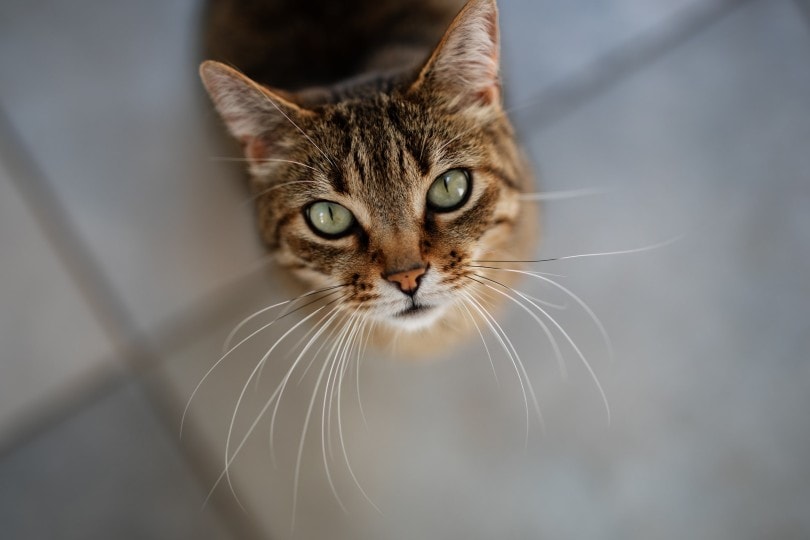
pixel 380 147
pixel 391 139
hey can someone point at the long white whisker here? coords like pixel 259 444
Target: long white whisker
pixel 321 326
pixel 547 303
pixel 342 354
pixel 555 346
pixel 484 341
pixel 561 195
pixel 229 459
pixel 307 335
pixel 578 300
pixel 571 342
pixel 601 254
pixel 326 341
pixel 243 322
pixel 244 389
pixel 522 368
pixel 232 349
pixel 360 357
pixel 503 340
pixel 345 362
pixel 262 160
pixel 301 445
pixel 332 358
pixel 326 420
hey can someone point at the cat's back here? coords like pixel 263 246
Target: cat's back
pixel 295 44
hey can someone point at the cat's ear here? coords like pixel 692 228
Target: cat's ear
pixel 464 67
pixel 251 111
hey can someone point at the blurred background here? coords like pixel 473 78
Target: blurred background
pixel 128 253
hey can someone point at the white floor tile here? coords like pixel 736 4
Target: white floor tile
pixel 107 98
pixel 547 41
pixel 108 472
pixel 51 342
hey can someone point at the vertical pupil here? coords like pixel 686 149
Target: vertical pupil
pixel 331 216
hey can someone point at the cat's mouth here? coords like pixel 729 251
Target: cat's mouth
pixel 415 310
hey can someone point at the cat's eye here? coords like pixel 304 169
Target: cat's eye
pixel 449 191
pixel 329 219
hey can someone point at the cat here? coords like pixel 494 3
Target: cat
pixel 385 171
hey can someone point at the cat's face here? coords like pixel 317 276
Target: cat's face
pixel 402 198
pixel 390 195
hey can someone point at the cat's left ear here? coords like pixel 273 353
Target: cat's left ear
pixel 463 68
pixel 253 113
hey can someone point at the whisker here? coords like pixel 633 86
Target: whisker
pixel 301 445
pixel 262 160
pixel 244 389
pixel 561 195
pixel 309 332
pixel 484 341
pixel 358 324
pixel 359 363
pixel 332 314
pixel 552 340
pixel 519 363
pixel 232 334
pixel 343 341
pixel 273 397
pixel 507 346
pixel 227 353
pixel 326 341
pixel 567 337
pixel 547 303
pixel 332 359
pixel 597 322
pixel 602 254
pixel 500 268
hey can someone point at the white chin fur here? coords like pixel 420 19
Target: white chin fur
pixel 414 323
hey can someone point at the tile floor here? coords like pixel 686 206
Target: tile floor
pixel 128 255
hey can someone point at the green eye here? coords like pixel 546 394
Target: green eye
pixel 449 191
pixel 329 219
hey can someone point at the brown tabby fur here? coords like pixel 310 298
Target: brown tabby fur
pixel 371 114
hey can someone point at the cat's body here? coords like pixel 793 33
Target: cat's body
pixel 384 166
pixel 318 43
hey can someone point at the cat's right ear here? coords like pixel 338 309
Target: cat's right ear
pixel 250 111
pixel 463 68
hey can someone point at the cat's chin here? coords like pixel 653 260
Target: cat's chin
pixel 416 318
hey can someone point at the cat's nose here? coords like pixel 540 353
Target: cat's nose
pixel 407 281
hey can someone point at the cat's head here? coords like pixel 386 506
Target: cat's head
pixel 394 188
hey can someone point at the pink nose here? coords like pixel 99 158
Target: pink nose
pixel 408 281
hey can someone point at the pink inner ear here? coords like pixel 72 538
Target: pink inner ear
pixel 256 148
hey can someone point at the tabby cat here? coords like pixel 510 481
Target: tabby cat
pixel 384 167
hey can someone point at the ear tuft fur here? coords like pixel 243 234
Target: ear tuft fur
pixel 464 66
pixel 250 111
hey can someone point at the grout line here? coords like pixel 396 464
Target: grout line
pixel 62 407
pixel 109 310
pixel 804 8
pixel 564 97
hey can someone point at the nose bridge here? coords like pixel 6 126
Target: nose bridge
pixel 404 266
pixel 402 251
